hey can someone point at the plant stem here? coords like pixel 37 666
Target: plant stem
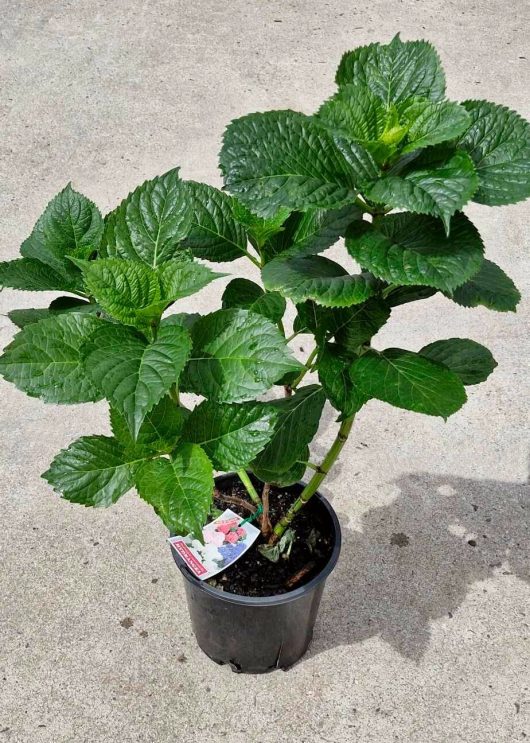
pixel 266 526
pixel 307 367
pixel 291 337
pixel 174 394
pixel 317 478
pixel 251 490
pixel 255 261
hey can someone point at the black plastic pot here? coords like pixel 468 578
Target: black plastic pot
pixel 256 635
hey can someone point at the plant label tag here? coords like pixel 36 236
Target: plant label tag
pixel 225 540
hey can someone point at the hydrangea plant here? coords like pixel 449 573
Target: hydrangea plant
pixel 388 163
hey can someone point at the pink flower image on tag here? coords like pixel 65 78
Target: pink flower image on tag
pixel 225 541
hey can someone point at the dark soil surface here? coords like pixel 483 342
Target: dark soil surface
pixel 255 575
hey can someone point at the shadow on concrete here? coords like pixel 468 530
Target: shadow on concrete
pixel 415 559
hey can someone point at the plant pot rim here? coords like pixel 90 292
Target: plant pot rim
pixel 282 598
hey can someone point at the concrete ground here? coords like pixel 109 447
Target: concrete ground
pixel 421 636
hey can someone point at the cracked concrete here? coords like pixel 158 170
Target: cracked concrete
pixel 423 630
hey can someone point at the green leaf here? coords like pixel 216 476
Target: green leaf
pixel 236 356
pixel 467 359
pixel 395 71
pixel 160 430
pixel 404 294
pixel 284 160
pixel 294 428
pixel 231 435
pixel 430 123
pixel 411 249
pixel 288 477
pixel 282 548
pixel 249 296
pixel 59 306
pixel 150 224
pixel 439 190
pixel 409 380
pixel 33 276
pixel 498 142
pixel 184 319
pixel 93 471
pixel 353 326
pixel 180 489
pixel 137 294
pixel 311 318
pixel 316 278
pixel 334 376
pixel 70 225
pixel 44 359
pixel 490 287
pixel 216 234
pixel 132 373
pixel 359 114
pixel 259 229
pixel 308 233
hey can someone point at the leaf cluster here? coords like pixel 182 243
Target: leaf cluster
pixel 387 163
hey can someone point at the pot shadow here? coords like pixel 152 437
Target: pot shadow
pixel 414 559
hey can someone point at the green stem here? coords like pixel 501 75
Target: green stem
pixel 251 490
pixel 255 261
pixel 314 483
pixel 174 394
pixel 291 337
pixel 307 367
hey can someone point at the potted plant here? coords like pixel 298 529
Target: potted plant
pixel 388 163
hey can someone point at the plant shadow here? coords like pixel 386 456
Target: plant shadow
pixel 414 559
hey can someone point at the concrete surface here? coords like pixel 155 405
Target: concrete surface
pixel 427 641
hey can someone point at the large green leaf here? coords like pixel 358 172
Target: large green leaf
pixel 132 373
pixel 395 71
pixel 317 278
pixel 409 380
pixel 236 356
pixel 469 360
pixel 294 428
pixel 489 287
pixel 150 224
pixel 180 489
pixel 231 435
pixel 160 430
pixel 44 359
pixel 439 190
pixel 70 225
pixel 308 233
pixel 413 249
pixel 334 376
pixel 59 306
pixel 137 294
pixel 284 160
pixel 93 471
pixel 498 142
pixel 216 234
pixel 31 275
pixel 429 123
pixel 247 295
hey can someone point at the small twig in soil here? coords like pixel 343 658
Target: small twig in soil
pixel 297 577
pixel 266 526
pixel 235 501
